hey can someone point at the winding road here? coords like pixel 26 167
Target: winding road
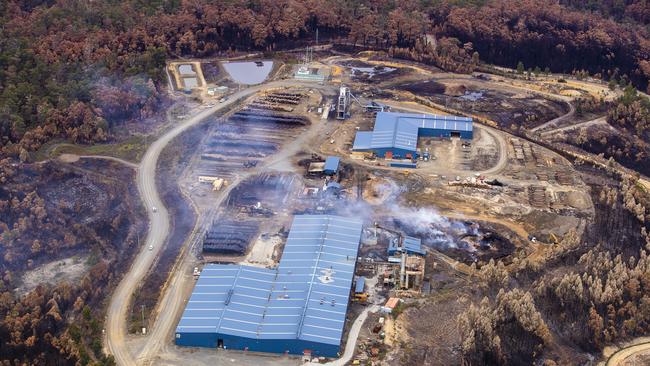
pixel 159 225
pixel 555 121
pixel 630 353
pixel 596 121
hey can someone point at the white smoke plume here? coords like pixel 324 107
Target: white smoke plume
pixel 425 223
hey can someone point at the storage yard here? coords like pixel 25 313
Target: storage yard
pixel 327 201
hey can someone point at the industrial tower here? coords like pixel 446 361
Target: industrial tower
pixel 343 106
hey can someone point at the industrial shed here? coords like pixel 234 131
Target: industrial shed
pixel 298 306
pixel 408 244
pixel 395 135
pixel 331 165
pixel 360 285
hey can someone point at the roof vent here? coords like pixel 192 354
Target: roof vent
pixel 228 296
pixel 327 276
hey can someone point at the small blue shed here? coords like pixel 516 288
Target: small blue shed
pixel 360 285
pixel 331 165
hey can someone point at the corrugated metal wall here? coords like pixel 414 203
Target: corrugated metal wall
pixel 435 132
pixel 397 153
pixel 295 347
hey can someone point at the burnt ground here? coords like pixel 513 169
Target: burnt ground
pixel 466 241
pixel 486 244
pixel 87 213
pixel 270 190
pixel 367 73
pixel 507 109
pixel 430 323
pixel 378 93
pixel 425 88
pixel 211 71
pixel 174 158
pixel 614 227
pixel 626 149
pixel 251 223
pixel 383 57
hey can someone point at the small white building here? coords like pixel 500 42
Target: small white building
pixel 217 90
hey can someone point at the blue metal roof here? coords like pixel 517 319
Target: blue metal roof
pixel 360 284
pixel 362 140
pixel 409 244
pixel 332 163
pixel 400 130
pixel 333 185
pixel 413 245
pixel 305 297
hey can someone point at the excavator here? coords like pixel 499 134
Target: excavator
pixel 361 298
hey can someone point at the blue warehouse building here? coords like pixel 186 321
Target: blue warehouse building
pixel 395 135
pixel 298 306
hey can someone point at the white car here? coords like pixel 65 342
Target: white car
pixel 154 209
pixel 150 247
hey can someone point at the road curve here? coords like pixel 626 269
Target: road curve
pixel 351 343
pixel 557 120
pixel 596 121
pixel 619 357
pixel 158 226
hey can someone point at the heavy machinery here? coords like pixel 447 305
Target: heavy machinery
pixel 361 298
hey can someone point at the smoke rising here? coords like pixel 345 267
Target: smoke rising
pixel 426 223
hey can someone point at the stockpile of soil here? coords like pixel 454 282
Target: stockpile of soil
pixel 424 88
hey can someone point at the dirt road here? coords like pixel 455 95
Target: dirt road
pixel 595 121
pixel 628 354
pixel 553 122
pixel 352 339
pixel 158 231
pixel 71 158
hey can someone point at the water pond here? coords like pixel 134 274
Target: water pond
pixel 248 72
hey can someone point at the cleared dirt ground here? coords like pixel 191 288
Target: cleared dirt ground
pixel 65 270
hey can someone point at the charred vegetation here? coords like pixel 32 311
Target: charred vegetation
pixel 51 211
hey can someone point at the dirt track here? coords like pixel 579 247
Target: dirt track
pixel 626 355
pixel 71 158
pixel 593 122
